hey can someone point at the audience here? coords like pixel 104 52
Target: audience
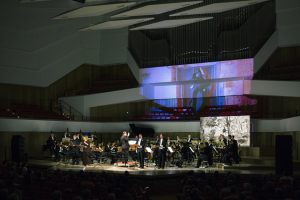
pixel 22 182
pixel 238 187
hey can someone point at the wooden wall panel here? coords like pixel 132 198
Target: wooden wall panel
pixel 16 94
pixel 266 142
pixel 81 79
pixel 120 112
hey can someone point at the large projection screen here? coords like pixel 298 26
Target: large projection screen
pixel 239 126
pixel 213 79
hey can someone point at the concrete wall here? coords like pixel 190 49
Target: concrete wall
pixel 275 88
pixel 287 33
pixel 288 24
pixel 25 125
pixel 85 102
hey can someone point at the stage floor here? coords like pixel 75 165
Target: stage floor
pixel 151 170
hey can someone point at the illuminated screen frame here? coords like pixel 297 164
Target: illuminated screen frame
pixel 211 79
pixel 239 126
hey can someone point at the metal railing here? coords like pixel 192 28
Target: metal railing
pixel 70 112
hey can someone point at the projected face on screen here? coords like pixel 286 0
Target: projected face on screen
pixel 213 79
pixel 239 126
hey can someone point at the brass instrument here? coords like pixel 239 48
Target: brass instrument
pixel 119 150
pixel 133 147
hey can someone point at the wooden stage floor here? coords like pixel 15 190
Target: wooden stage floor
pixel 250 167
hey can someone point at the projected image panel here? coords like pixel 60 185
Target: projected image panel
pixel 213 79
pixel 193 90
pixel 238 126
pixel 199 71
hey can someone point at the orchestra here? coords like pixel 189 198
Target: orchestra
pixel 160 152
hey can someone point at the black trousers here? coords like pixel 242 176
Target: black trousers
pixel 140 156
pixel 155 156
pixel 161 158
pixel 85 158
pixel 125 156
pixel 75 153
pixel 201 158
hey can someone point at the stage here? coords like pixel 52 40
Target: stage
pixel 249 166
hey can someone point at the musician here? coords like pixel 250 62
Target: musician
pixel 162 148
pixel 85 151
pixel 235 150
pixel 75 150
pixel 189 152
pixel 67 135
pixel 168 152
pixel 189 140
pixel 155 151
pixel 125 146
pixel 210 154
pixel 168 142
pixel 140 150
pixel 228 151
pixel 51 144
pixel 178 140
pixel 204 152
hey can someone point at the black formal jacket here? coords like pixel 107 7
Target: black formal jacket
pixel 142 143
pixel 124 142
pixel 164 144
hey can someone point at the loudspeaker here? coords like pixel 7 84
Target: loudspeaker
pixel 284 155
pixel 18 148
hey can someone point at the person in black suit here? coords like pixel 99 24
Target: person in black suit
pixel 125 146
pixel 51 144
pixel 189 140
pixel 85 151
pixel 235 150
pixel 204 152
pixel 140 150
pixel 162 148
pixel 155 151
pixel 189 151
pixel 75 149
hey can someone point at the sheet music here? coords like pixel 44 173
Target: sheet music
pixel 170 149
pixel 192 150
pixel 131 142
pixel 149 150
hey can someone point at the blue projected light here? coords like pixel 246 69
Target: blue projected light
pixel 195 81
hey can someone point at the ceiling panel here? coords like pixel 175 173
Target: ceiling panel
pixel 90 11
pixel 156 9
pixel 32 1
pixel 115 24
pixel 171 23
pixel 218 7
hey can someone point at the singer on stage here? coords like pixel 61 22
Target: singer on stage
pixel 125 146
pixel 140 150
pixel 162 149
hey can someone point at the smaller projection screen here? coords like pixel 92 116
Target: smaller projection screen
pixel 239 126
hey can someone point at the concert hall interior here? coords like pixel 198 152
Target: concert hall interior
pixel 150 99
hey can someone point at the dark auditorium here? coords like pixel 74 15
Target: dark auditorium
pixel 150 100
